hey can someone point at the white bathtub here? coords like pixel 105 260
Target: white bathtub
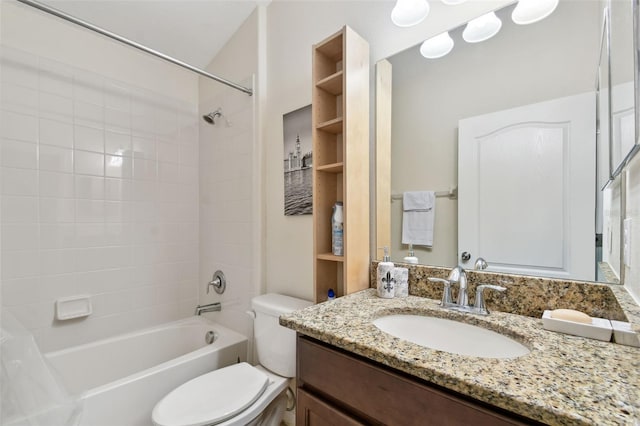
pixel 120 379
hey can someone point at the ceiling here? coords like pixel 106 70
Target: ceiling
pixel 192 31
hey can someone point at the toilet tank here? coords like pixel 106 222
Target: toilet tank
pixel 275 345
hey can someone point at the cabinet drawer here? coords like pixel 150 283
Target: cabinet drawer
pixel 376 393
pixel 312 411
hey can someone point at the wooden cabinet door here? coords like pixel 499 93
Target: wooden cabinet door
pixel 312 411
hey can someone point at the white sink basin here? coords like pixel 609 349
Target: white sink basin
pixel 450 336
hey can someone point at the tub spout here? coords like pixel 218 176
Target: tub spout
pixel 211 307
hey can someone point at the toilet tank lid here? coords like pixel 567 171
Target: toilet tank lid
pixel 277 304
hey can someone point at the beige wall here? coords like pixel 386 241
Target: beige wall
pixel 292 28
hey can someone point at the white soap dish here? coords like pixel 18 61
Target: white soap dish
pixel 599 329
pixel 73 307
pixel 624 335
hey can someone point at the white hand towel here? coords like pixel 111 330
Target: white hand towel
pixel 418 217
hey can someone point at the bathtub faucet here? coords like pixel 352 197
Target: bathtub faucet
pixel 211 307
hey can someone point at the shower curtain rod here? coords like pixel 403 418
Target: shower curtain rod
pixel 89 26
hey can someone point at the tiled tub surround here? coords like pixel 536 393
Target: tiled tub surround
pixel 99 196
pixel 525 295
pixel 564 380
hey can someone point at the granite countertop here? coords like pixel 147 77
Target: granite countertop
pixel 564 380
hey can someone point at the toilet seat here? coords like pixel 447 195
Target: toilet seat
pixel 212 398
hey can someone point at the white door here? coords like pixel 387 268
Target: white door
pixel 526 181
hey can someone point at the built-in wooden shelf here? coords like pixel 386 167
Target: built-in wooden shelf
pixel 331 168
pixel 332 84
pixel 331 257
pixel 341 161
pixel 331 126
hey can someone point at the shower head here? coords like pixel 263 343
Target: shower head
pixel 211 117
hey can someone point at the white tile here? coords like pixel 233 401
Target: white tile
pixel 117 166
pixel 118 120
pixel 168 153
pixel 56 107
pixel 144 169
pixel 88 88
pixel 89 163
pixel 55 159
pixel 144 148
pixel 56 77
pixel 61 285
pixel 57 210
pixel 98 258
pixel 21 291
pixel 117 143
pixel 89 211
pixel 19 264
pixel 142 123
pixel 19 126
pixel 18 154
pixel 189 175
pixel 118 234
pixel 118 189
pixel 168 172
pixel 117 211
pixel 57 261
pixel 19 67
pixel 89 187
pixel 144 212
pixel 88 138
pixel 19 99
pixel 19 181
pixel 116 96
pixel 144 191
pixel 56 133
pixel 57 185
pixel 169 191
pixel 87 114
pixel 189 154
pixel 18 209
pixel 34 315
pixel 90 235
pixel 19 236
pixel 57 235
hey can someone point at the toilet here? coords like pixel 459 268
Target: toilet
pixel 241 394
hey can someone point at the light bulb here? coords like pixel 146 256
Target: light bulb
pixel 407 13
pixel 530 11
pixel 437 47
pixel 482 28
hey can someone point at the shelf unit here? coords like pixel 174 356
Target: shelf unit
pixel 340 105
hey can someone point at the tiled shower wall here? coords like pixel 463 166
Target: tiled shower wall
pixel 228 219
pixel 99 196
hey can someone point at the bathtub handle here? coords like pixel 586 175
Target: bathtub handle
pixel 218 282
pixel 251 313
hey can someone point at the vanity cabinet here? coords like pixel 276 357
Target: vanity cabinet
pixel 340 132
pixel 336 387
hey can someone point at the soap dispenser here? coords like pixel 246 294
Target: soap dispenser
pixel 411 257
pixel 385 277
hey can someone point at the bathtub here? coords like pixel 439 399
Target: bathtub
pixel 120 379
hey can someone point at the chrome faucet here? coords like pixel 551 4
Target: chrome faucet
pixel 211 307
pixel 456 276
pixel 459 276
pixel 480 264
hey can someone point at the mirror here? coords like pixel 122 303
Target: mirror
pixel 522 65
pixel 623 126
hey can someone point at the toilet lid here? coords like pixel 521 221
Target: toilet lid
pixel 211 398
